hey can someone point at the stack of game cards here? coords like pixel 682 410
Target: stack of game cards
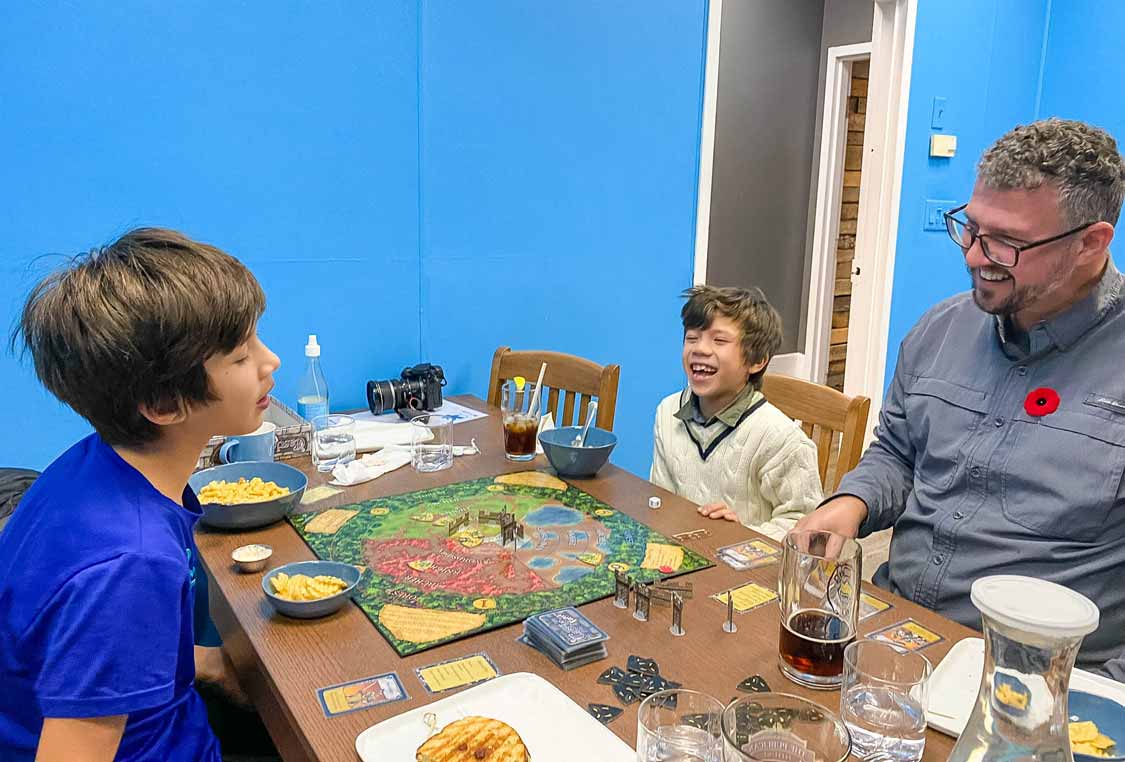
pixel 565 635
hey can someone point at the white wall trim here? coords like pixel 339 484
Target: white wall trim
pixel 826 220
pixel 707 139
pixel 888 99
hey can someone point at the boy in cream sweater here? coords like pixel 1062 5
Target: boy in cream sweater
pixel 719 443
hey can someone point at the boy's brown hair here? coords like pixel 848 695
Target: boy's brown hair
pixel 751 312
pixel 132 323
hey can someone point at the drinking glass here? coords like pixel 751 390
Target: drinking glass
pixel 520 419
pixel 679 726
pixel 779 727
pixel 333 441
pixel 431 439
pixel 883 699
pixel 818 591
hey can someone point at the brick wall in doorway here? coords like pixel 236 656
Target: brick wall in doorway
pixel 849 212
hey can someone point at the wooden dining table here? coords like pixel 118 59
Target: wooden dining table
pixel 282 662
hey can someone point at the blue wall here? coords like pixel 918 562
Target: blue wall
pixel 559 158
pixel 1083 67
pixel 390 172
pixel 984 57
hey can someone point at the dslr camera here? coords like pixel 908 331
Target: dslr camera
pixel 418 390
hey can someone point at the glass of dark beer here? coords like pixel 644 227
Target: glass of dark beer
pixel 818 590
pixel 520 407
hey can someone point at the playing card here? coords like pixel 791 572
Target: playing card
pixel 749 555
pixel 360 694
pixel 908 634
pixel 567 627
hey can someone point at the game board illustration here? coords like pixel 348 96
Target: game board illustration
pixel 444 563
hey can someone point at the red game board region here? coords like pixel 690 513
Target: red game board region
pixel 431 564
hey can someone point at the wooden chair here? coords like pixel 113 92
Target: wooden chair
pixel 826 416
pixel 576 377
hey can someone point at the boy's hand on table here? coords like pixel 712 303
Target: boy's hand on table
pixel 212 666
pixel 717 511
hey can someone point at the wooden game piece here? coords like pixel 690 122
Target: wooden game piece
pixel 677 628
pixel 642 601
pixel 729 625
pixel 621 586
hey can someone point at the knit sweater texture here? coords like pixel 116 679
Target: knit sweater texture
pixel 765 470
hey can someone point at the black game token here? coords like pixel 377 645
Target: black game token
pixel 810 715
pixel 625 694
pixel 652 684
pixel 642 665
pixel 754 709
pixel 754 684
pixel 666 702
pixel 612 676
pixel 604 713
pixel 701 721
pixel 634 680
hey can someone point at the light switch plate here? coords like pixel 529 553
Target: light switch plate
pixel 937 118
pixel 933 219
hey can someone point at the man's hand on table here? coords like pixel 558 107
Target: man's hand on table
pixel 841 515
pixel 212 666
pixel 717 511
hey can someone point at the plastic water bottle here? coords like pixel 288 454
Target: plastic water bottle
pixel 312 391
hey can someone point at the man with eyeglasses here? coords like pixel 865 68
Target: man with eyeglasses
pixel 1001 442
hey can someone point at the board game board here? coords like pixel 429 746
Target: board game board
pixel 435 569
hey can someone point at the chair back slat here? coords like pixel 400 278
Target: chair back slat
pixel 826 416
pixel 571 375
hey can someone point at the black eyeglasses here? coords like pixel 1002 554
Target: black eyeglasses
pixel 997 250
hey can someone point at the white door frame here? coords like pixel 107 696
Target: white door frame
pixel 707 139
pixel 884 151
pixel 826 221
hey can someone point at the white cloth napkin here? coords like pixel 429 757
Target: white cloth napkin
pixel 546 423
pixel 370 466
pixel 390 457
pixel 375 435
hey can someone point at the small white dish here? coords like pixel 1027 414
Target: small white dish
pixel 251 558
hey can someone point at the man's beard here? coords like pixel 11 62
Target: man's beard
pixel 1020 297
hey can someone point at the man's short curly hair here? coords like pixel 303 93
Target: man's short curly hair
pixel 1080 160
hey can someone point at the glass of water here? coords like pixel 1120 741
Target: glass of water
pixel 431 440
pixel 679 726
pixel 883 699
pixel 781 727
pixel 333 441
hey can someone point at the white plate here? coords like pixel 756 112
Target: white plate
pixel 956 682
pixel 554 728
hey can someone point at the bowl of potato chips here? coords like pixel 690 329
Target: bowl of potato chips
pixel 247 495
pixel 310 589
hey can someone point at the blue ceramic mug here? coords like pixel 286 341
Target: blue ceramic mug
pixel 257 445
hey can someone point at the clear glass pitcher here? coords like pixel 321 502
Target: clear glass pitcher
pixel 1032 631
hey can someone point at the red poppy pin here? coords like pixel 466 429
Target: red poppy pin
pixel 1041 401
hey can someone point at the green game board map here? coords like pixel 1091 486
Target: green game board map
pixel 423 586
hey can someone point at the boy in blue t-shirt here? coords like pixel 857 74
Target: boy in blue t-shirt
pixel 153 340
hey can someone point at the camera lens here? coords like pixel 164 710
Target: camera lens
pixel 381 396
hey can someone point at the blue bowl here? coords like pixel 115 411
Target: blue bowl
pixel 569 460
pixel 318 608
pixel 1108 715
pixel 250 515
